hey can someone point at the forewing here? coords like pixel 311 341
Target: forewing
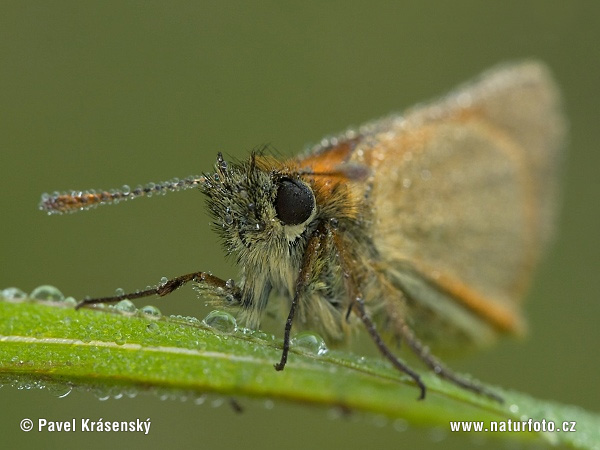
pixel 464 190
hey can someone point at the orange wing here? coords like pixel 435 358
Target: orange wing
pixel 463 192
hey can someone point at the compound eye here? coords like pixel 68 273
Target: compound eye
pixel 295 202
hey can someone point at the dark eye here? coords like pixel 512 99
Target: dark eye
pixel 295 202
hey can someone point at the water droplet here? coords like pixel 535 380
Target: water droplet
pixel 47 293
pixel 149 189
pixel 310 342
pixel 119 338
pixel 269 404
pixel 70 301
pixel 217 403
pixel 334 223
pixel 125 306
pixel 119 292
pixel 335 413
pixel 150 310
pixel 221 321
pixel 131 393
pixel 261 335
pixel 126 190
pixel 163 281
pixel 400 425
pixel 152 327
pixel 230 284
pixel 380 420
pixel 437 434
pixel 59 391
pixel 13 293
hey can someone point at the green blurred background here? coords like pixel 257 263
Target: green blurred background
pixel 98 94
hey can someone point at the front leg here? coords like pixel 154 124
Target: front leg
pixel 216 285
pixel 313 250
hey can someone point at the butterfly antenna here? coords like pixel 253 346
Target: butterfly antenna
pixel 68 202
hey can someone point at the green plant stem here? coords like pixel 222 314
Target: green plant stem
pixel 111 351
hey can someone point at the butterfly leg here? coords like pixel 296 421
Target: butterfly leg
pixel 211 282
